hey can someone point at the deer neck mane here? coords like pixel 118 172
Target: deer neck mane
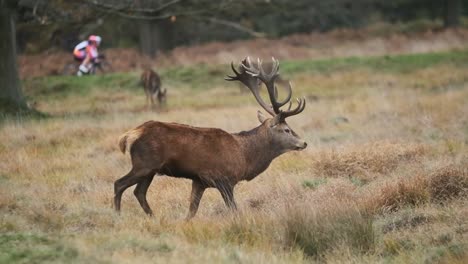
pixel 258 149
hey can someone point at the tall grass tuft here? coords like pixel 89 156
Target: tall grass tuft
pixel 318 231
pixel 395 195
pixel 250 229
pixel 358 161
pixel 448 182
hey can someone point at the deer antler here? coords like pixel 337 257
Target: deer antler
pixel 251 82
pixel 249 76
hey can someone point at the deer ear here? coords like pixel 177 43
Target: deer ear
pixel 261 117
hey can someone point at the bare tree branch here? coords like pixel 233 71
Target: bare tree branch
pixel 130 9
pixel 148 17
pixel 130 12
pixel 232 25
pixel 156 10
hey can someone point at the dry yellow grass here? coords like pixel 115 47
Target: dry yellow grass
pixel 365 161
pixel 383 152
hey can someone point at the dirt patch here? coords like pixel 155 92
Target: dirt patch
pixel 336 43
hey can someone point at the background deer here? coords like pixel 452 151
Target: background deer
pixel 211 157
pixel 152 84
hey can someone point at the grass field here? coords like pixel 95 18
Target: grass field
pixel 384 179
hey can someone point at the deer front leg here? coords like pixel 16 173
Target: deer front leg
pixel 197 192
pixel 152 95
pixel 227 191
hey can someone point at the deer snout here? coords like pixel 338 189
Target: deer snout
pixel 301 145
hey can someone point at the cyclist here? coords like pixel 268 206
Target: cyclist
pixel 87 53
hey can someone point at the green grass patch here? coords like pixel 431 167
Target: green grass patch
pixel 357 181
pixel 394 63
pixel 314 183
pixel 196 77
pixel 3 178
pixel 33 248
pixel 57 87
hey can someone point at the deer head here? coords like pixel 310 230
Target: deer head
pixel 253 75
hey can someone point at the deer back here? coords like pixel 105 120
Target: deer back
pixel 178 150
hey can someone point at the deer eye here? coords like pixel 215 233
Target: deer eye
pixel 287 130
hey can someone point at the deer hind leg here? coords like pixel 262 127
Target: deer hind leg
pixel 148 96
pixel 227 192
pixel 120 185
pixel 197 192
pixel 140 193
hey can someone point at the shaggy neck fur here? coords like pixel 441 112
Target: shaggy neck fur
pixel 259 150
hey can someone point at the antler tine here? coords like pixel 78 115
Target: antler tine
pixel 300 107
pixel 289 107
pixel 261 72
pixel 251 68
pixel 274 66
pixel 233 78
pixel 288 97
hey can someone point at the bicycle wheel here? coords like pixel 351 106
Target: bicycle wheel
pixel 105 67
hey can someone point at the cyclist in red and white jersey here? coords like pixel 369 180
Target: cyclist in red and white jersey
pixel 87 53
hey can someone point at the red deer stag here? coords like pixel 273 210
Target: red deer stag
pixel 152 84
pixel 211 157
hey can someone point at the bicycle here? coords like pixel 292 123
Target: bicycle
pixel 100 64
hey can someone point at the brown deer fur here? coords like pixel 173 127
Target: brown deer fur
pixel 210 157
pixel 152 85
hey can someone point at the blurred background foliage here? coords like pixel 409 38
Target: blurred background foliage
pixel 155 26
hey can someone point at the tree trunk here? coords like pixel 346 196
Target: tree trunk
pixel 154 37
pixel 452 13
pixel 10 90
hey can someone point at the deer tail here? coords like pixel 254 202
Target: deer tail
pixel 127 139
